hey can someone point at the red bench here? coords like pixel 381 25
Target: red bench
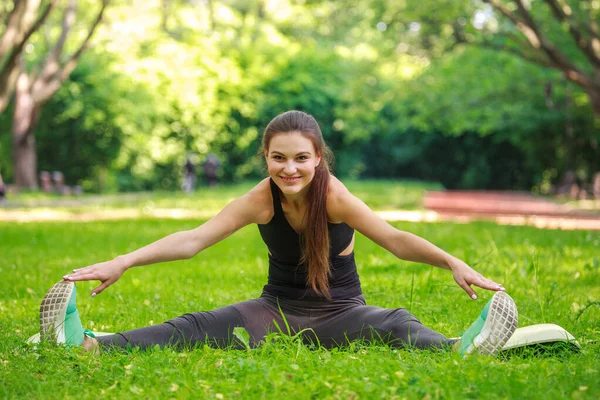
pixel 468 202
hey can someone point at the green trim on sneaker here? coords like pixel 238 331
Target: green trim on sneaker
pixel 467 338
pixel 89 333
pixel 72 325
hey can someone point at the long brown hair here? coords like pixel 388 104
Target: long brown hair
pixel 315 239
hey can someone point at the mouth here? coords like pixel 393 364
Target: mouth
pixel 290 179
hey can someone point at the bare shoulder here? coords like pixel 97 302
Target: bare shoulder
pixel 337 189
pixel 339 199
pixel 260 201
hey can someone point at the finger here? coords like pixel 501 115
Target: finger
pixel 86 277
pixel 490 281
pixel 84 269
pixel 468 289
pixel 100 288
pixel 488 284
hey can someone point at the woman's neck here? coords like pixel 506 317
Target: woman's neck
pixel 296 200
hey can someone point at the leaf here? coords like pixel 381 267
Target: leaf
pixel 243 336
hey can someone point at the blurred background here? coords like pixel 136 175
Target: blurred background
pixel 133 95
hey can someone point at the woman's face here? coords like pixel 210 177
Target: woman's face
pixel 291 161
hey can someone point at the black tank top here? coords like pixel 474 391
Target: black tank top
pixel 287 276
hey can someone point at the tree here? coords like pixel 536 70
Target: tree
pixel 535 43
pixel 35 88
pixel 562 35
pixel 23 21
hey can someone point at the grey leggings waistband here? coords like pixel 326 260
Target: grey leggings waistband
pixel 329 323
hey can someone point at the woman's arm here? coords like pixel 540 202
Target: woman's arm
pixel 344 206
pixel 180 245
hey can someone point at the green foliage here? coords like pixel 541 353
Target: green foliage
pixel 79 131
pixel 402 100
pixel 508 103
pixel 307 81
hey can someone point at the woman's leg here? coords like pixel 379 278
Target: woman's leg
pixel 350 320
pixel 214 328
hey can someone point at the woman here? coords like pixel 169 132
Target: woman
pixel 307 219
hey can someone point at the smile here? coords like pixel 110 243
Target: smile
pixel 290 179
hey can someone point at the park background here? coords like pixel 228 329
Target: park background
pixel 411 95
pixel 471 94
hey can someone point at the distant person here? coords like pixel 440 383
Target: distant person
pixel 307 219
pixel 596 186
pixel 211 166
pixel 568 186
pixel 46 182
pixel 3 191
pixel 189 176
pixel 58 180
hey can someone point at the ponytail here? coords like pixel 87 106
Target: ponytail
pixel 315 244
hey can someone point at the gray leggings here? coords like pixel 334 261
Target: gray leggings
pixel 331 323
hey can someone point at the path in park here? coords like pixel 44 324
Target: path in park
pixel 507 208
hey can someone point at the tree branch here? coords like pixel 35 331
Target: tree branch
pixel 6 43
pixel 12 27
pixel 555 59
pixel 516 39
pixel 46 87
pixel 515 51
pixel 71 64
pixel 552 52
pixel 51 64
pixel 526 30
pixel 10 70
pixel 67 23
pixel 591 29
pixel 529 28
pixel 584 44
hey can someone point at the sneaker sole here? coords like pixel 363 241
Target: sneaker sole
pixel 53 311
pixel 499 326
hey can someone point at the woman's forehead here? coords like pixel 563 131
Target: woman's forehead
pixel 293 142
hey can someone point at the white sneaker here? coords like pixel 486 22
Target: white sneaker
pixel 59 318
pixel 492 329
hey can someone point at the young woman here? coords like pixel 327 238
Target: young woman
pixel 307 219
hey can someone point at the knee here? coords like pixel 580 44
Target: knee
pixel 403 324
pixel 409 331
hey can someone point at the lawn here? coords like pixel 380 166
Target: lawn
pixel 379 194
pixel 552 275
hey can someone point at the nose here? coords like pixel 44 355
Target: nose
pixel 289 168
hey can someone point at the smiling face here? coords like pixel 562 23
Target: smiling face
pixel 291 162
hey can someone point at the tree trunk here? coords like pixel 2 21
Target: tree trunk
pixel 594 100
pixel 25 118
pixel 32 92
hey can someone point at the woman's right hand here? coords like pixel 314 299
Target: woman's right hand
pixel 107 272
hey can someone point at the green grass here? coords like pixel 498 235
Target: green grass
pixel 378 194
pixel 552 275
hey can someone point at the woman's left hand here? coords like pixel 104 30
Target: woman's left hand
pixel 466 276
